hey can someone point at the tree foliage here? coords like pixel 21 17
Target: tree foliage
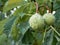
pixel 15 28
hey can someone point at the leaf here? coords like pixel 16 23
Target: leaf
pixel 54 41
pixel 30 9
pixel 27 38
pixel 11 4
pixel 57 15
pixel 39 37
pixel 49 37
pixel 7 26
pixel 56 6
pixel 57 22
pixel 27 8
pixel 58 39
pixel 3 39
pixel 2 16
pixel 21 9
pixel 15 33
pixel 2 23
pixel 24 25
pixel 58 1
pixel 58 43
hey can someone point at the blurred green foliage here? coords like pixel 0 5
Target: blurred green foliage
pixel 15 30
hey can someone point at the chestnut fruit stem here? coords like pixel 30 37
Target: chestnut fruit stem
pixel 55 30
pixel 36 7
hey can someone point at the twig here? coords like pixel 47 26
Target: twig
pixel 48 8
pixel 51 7
pixel 36 7
pixel 55 30
pixel 45 34
pixel 33 0
pixel 44 5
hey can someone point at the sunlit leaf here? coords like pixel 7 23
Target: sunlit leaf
pixel 11 4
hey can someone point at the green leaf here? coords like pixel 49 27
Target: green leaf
pixel 38 37
pixel 49 37
pixel 57 22
pixel 24 27
pixel 58 43
pixel 54 41
pixel 27 8
pixel 2 23
pixel 11 4
pixel 58 1
pixel 21 9
pixel 27 38
pixel 2 16
pixel 8 25
pixel 57 15
pixel 15 33
pixel 56 6
pixel 3 39
pixel 58 39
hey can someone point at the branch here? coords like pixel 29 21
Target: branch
pixel 33 0
pixel 36 7
pixel 48 9
pixel 45 6
pixel 55 30
pixel 51 7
